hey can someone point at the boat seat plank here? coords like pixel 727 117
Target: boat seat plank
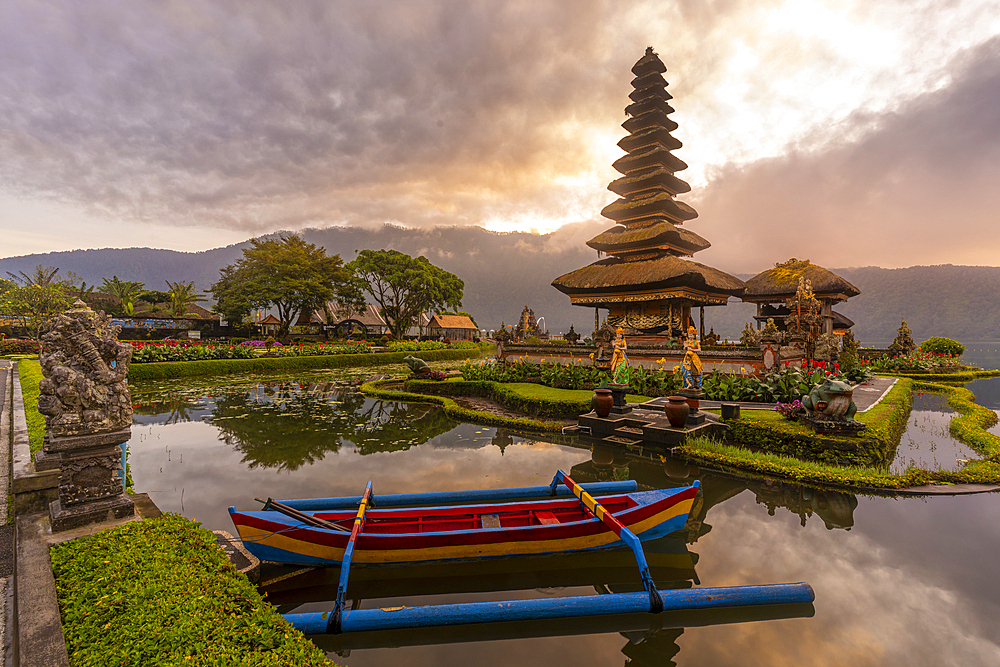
pixel 546 518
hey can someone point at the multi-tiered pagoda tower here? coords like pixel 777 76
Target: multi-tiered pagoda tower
pixel 645 283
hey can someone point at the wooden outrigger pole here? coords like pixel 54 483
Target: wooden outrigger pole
pixel 651 600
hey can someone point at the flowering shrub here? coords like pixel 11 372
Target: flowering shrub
pixel 436 375
pixel 173 350
pixel 789 410
pixel 917 360
pixel 259 343
pixel 415 345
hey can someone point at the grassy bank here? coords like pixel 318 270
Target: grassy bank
pixel 530 398
pixel 964 375
pixel 161 591
pixel 385 389
pixel 768 431
pixel 29 371
pixel 968 426
pixel 169 370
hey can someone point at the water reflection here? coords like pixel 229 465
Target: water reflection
pixel 898 582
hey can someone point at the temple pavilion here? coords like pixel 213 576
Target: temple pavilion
pixel 647 283
pixel 772 289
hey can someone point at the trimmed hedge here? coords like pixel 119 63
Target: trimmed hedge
pixel 161 591
pixel 377 389
pixel 166 370
pixel 527 397
pixel 768 431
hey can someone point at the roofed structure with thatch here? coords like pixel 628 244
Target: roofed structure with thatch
pixel 779 284
pixel 645 284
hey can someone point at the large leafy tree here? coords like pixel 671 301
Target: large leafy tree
pixel 287 274
pixel 35 298
pixel 405 286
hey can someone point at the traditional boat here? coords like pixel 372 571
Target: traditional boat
pixel 295 533
pixel 316 532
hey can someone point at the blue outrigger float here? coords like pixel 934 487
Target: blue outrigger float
pixel 309 518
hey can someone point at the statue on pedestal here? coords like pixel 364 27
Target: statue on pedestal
pixel 691 365
pixel 88 415
pixel 619 359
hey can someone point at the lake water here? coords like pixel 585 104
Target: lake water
pixel 898 581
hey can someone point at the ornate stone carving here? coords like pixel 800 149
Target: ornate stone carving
pixel 84 389
pixel 88 415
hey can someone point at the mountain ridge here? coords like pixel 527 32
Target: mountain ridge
pixel 505 271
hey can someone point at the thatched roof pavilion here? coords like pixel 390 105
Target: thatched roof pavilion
pixel 778 284
pixel 645 283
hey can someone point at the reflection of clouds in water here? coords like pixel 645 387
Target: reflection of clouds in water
pixel 870 609
pixel 212 476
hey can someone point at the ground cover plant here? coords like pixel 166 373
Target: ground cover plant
pixel 29 372
pixel 161 592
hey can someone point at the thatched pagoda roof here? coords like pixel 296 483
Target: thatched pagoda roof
pixel 649 119
pixel 613 274
pixel 622 239
pixel 660 204
pixel 650 63
pixel 650 137
pixel 650 158
pixel 782 281
pixel 647 180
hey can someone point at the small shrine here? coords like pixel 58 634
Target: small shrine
pixel 772 290
pixel 527 325
pixel 646 283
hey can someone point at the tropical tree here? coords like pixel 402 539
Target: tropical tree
pixel 404 286
pixel 181 296
pixel 285 273
pixel 34 305
pixel 126 291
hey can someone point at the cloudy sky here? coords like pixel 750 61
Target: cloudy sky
pixel 848 132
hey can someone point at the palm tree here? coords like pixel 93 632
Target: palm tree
pixel 127 292
pixel 182 295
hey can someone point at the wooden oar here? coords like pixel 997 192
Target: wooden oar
pixel 622 531
pixel 333 626
pixel 308 519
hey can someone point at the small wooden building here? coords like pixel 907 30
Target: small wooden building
pixel 452 327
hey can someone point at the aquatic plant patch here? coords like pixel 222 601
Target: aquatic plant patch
pixel 161 591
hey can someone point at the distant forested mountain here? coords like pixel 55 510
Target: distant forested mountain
pixel 505 272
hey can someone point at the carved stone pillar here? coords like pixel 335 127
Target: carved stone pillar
pixel 88 415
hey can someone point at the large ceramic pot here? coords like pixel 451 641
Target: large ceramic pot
pixel 602 402
pixel 677 410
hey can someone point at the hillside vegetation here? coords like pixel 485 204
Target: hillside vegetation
pixel 505 272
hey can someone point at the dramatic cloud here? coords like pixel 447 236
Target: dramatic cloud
pixel 121 121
